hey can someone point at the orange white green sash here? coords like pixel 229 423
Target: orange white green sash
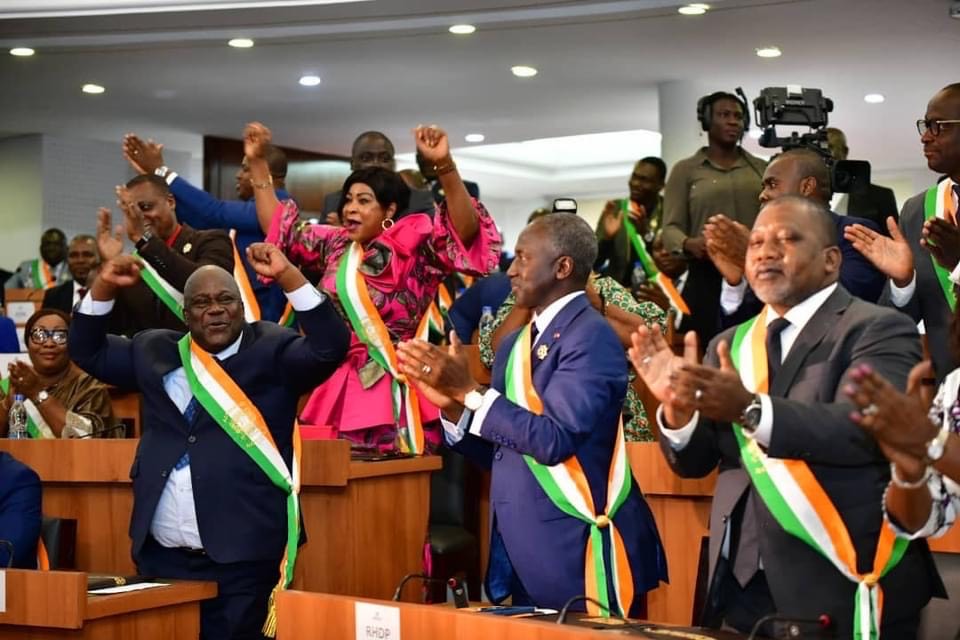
pixel 37 427
pixel 800 505
pixel 567 487
pixel 649 266
pixel 41 275
pixel 938 203
pixel 371 330
pixel 236 414
pixel 168 294
pixel 444 301
pixel 251 308
pixel 431 322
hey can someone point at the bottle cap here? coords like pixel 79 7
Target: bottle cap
pixel 18 397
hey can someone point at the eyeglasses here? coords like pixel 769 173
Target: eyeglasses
pixel 39 335
pixel 202 303
pixel 933 126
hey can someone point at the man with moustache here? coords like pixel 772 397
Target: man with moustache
pixel 768 409
pixel 201 210
pixel 553 409
pixel 922 256
pixel 82 258
pixel 212 478
pixel 171 250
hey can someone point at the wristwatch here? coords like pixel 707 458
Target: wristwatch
pixel 162 171
pixel 937 445
pixel 42 396
pixel 474 399
pixel 750 418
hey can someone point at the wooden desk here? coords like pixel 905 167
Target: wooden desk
pixel 303 616
pixel 44 605
pixel 366 522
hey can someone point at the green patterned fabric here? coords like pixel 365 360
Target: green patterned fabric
pixel 635 424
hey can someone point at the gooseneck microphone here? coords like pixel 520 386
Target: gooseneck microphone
pixel 98 432
pixel 411 576
pixel 794 626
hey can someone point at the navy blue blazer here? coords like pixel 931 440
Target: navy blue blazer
pixel 20 512
pixel 241 515
pixel 582 382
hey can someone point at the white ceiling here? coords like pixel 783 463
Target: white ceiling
pixel 390 64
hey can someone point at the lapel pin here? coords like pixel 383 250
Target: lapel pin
pixel 542 351
pixel 187 247
pixel 556 335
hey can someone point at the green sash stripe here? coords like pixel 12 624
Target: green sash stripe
pixel 161 288
pixel 36 274
pixel 943 275
pixel 649 266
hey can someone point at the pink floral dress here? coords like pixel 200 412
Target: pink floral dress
pixel 403 268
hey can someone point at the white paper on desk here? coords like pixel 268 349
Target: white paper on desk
pixel 138 586
pixel 3 591
pixel 376 622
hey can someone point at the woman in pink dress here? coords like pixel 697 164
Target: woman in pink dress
pixel 383 271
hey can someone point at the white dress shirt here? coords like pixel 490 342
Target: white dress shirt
pixel 174 522
pixel 453 433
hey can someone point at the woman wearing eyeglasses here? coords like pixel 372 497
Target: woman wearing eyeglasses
pixel 62 401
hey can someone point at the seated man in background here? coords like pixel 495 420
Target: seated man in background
pixel 213 490
pixel 201 210
pixel 20 513
pixel 171 252
pixel 552 413
pixel 46 271
pixel 83 256
pixel 61 400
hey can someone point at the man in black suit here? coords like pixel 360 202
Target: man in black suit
pixel 82 258
pixel 922 256
pixel 817 333
pixel 172 250
pixel 203 508
pixel 874 203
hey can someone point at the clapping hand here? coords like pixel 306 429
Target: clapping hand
pixel 24 379
pixel 612 218
pixel 132 215
pixel 256 137
pixel 727 246
pixel 118 272
pixel 144 157
pixel 441 374
pixel 892 256
pixel 657 365
pixel 432 143
pixel 109 241
pixel 942 240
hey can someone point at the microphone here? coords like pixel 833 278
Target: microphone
pixel 411 576
pixel 98 432
pixel 823 622
pixel 9 546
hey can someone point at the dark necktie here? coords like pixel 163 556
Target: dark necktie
pixel 189 414
pixel 534 332
pixel 774 352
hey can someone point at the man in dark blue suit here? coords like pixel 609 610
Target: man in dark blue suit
pixel 578 378
pixel 203 508
pixel 19 513
pixel 800 172
pixel 201 210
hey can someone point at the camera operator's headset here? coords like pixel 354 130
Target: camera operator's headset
pixel 705 116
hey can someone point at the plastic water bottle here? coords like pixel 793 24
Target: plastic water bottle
pixel 486 318
pixel 18 419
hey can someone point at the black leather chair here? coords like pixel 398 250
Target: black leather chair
pixel 452 547
pixel 59 540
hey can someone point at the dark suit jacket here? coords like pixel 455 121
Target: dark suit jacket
pixel 876 203
pixel 20 512
pixel 811 423
pixel 137 308
pixel 928 302
pixel 59 297
pixel 241 515
pixel 582 382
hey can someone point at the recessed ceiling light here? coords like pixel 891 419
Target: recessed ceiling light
pixel 310 81
pixel 22 52
pixel 695 9
pixel 462 29
pixel 474 137
pixel 769 52
pixel 523 71
pixel 92 88
pixel 240 43
pixel 874 98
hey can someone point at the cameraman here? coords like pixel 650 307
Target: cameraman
pixel 874 203
pixel 719 178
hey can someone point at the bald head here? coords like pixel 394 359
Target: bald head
pixel 209 274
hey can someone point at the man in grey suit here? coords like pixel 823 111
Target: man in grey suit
pixel 816 333
pixel 922 255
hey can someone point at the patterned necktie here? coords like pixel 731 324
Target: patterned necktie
pixel 189 414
